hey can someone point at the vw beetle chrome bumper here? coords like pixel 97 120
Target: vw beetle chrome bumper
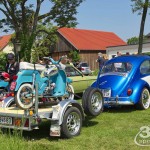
pixel 118 101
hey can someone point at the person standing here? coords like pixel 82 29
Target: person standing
pixel 118 54
pixel 12 67
pixel 100 60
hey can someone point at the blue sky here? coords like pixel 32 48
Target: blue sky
pixel 111 15
pixel 107 15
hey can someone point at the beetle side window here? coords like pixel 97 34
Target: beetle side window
pixel 123 67
pixel 145 67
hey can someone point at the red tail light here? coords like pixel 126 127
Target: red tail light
pixel 82 68
pixel 10 94
pixel 26 123
pixel 129 92
pixel 15 77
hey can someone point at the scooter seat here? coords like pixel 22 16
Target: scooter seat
pixel 29 66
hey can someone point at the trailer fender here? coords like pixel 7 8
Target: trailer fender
pixel 7 102
pixel 60 109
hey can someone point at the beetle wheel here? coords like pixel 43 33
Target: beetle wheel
pixel 144 102
pixel 92 101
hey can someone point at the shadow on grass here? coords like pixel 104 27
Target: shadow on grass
pixel 120 109
pixel 89 122
pixel 36 134
pixel 43 131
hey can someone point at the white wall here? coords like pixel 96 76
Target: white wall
pixel 8 49
pixel 132 49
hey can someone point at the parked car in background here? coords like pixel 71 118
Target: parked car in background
pixel 84 68
pixel 80 81
pixel 125 80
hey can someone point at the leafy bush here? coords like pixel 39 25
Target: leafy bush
pixel 146 53
pixel 74 55
pixel 3 60
pixel 95 72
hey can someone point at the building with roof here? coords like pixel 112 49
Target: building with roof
pixel 87 42
pixel 5 45
pixel 111 51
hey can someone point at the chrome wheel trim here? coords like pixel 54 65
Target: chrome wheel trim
pixel 96 102
pixel 145 98
pixel 73 123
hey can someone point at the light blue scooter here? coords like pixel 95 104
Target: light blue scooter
pixel 52 82
pixel 3 84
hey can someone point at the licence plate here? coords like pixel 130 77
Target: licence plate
pixel 106 92
pixel 6 120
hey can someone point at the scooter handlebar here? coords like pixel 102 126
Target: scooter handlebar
pixel 46 58
pixel 61 58
pixel 55 62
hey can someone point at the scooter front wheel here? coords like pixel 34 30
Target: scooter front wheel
pixel 24 97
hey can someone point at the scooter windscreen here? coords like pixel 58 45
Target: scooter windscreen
pixel 51 71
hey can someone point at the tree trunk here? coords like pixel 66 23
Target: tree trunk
pixel 142 26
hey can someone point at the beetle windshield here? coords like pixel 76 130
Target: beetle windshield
pixel 120 67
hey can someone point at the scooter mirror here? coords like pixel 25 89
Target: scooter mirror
pixel 65 56
pixel 46 58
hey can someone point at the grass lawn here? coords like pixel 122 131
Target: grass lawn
pixel 114 129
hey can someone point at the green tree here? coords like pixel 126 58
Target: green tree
pixel 3 61
pixel 23 16
pixel 135 40
pixel 44 41
pixel 74 55
pixel 141 6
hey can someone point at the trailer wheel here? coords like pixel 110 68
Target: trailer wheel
pixel 23 97
pixel 92 101
pixel 72 122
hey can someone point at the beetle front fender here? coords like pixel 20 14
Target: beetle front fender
pixel 94 84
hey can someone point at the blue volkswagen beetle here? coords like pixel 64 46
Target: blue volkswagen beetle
pixel 125 80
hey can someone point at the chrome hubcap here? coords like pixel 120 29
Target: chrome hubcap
pixel 96 101
pixel 73 123
pixel 146 98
